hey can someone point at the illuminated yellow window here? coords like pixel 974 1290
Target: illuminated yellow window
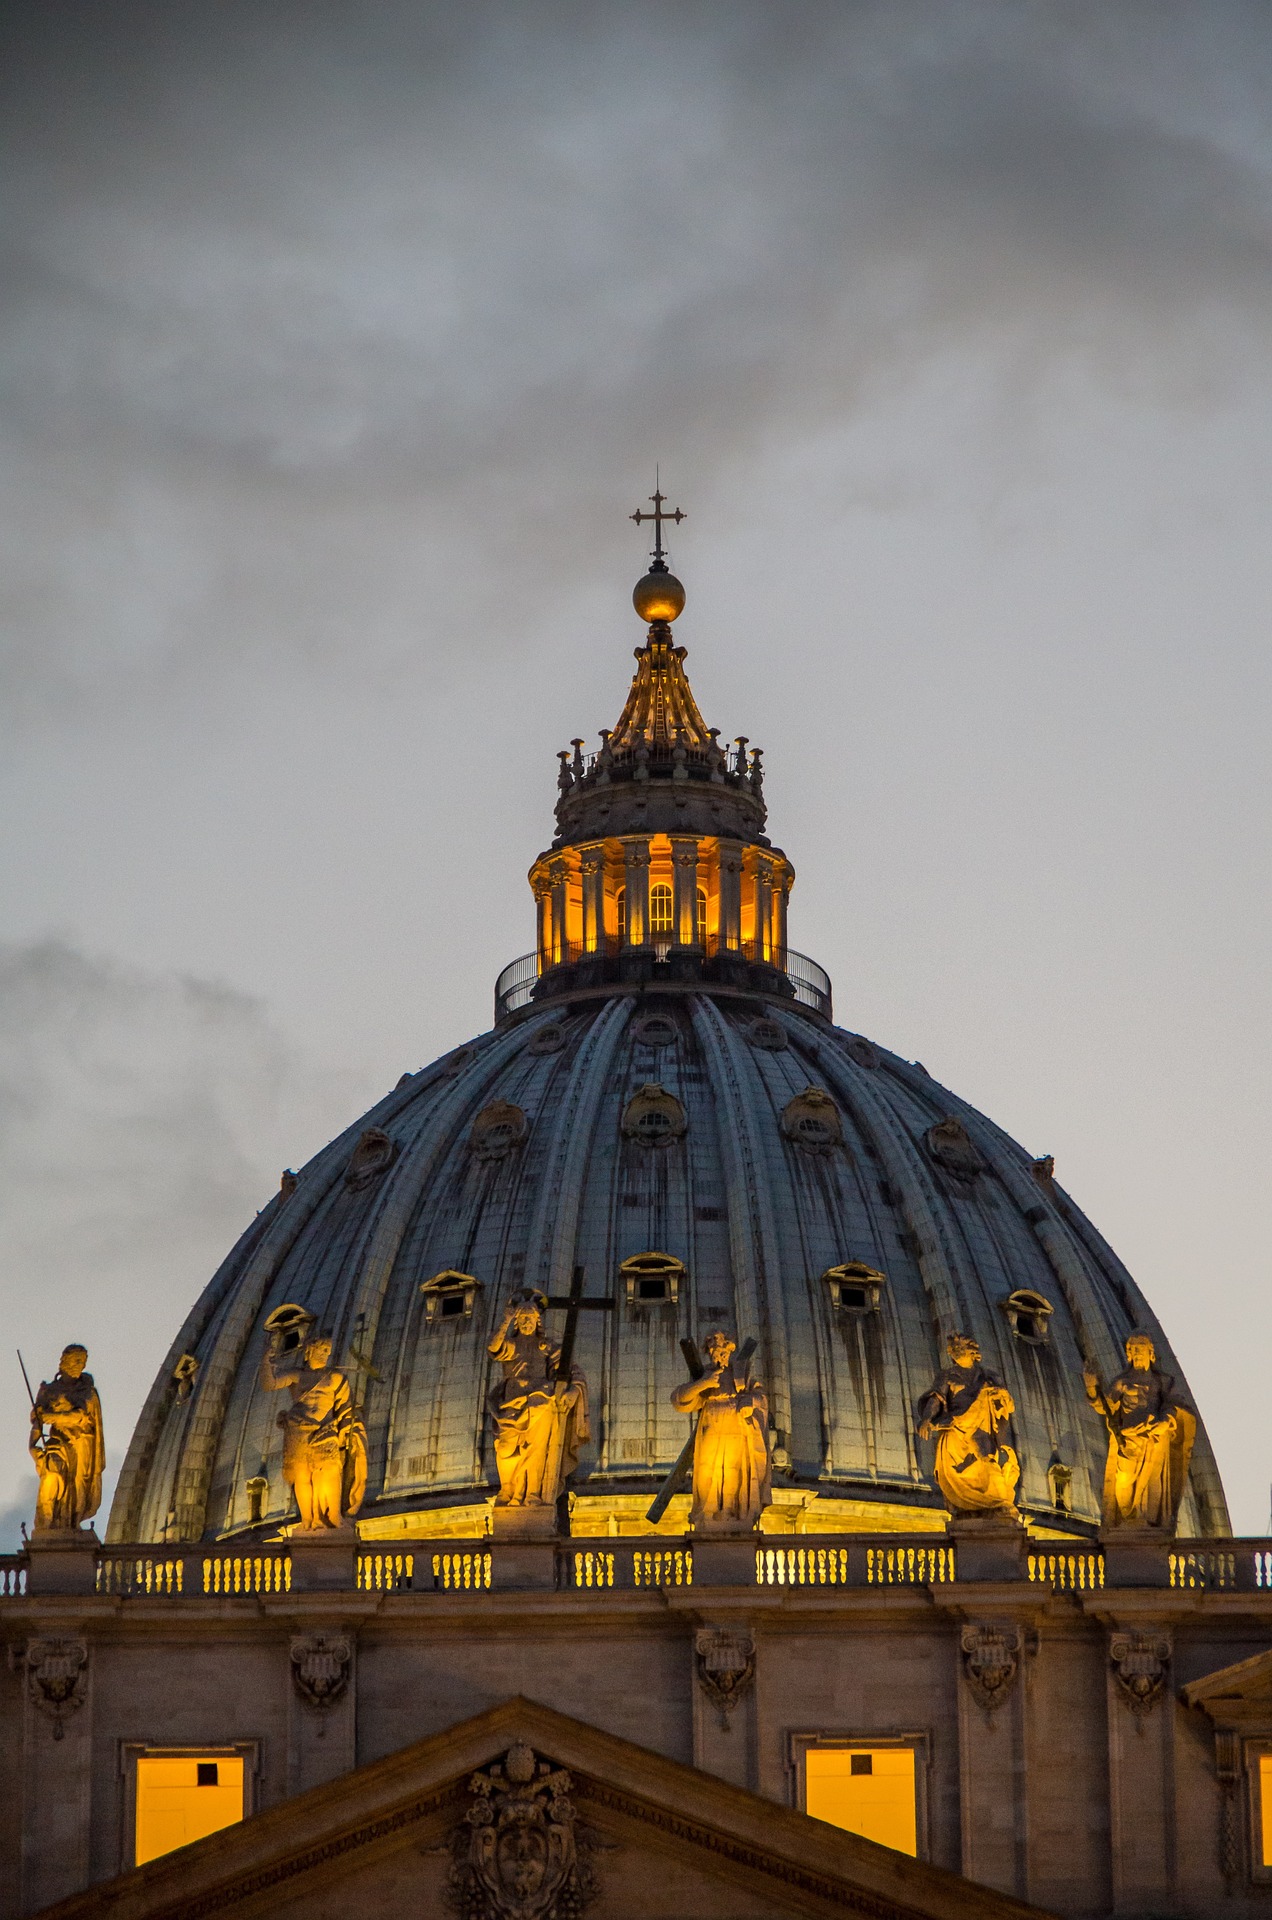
pixel 660 909
pixel 182 1799
pixel 702 917
pixel 868 1790
pixel 1265 1807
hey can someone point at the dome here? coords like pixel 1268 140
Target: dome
pixel 664 1103
pixel 817 1191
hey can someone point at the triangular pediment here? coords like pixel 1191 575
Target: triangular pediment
pixel 662 1841
pixel 1240 1692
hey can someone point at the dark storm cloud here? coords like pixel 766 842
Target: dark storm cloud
pixel 384 279
pixel 136 1112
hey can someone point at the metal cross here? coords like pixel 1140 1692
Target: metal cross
pixel 658 516
pixel 574 1303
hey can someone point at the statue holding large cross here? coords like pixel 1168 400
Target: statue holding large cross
pixel 732 1458
pixel 539 1410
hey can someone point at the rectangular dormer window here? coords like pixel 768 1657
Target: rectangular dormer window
pixel 177 1795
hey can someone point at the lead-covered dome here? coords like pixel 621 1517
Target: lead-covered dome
pixel 664 1102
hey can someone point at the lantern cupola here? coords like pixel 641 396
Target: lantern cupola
pixel 660 870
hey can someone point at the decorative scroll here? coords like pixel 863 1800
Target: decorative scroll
pixel 1140 1664
pixel 725 1660
pixel 57 1678
pixel 321 1666
pixel 991 1662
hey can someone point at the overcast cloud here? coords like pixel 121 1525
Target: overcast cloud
pixel 337 342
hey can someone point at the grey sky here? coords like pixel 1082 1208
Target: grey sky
pixel 338 341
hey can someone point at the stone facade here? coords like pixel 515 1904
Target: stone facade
pixel 1076 1749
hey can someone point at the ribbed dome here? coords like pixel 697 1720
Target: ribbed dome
pixel 514 1159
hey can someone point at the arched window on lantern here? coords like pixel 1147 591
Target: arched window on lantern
pixel 660 920
pixel 701 920
pixel 620 906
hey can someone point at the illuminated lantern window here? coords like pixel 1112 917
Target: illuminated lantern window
pixel 184 1797
pixel 660 920
pixel 866 1790
pixel 702 917
pixel 620 902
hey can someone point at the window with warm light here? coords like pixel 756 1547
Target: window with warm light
pixel 702 917
pixel 1265 1810
pixel 660 920
pixel 184 1797
pixel 867 1790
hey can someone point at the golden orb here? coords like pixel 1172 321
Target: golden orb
pixel 659 596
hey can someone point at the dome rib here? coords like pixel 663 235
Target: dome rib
pixel 752 1223
pixel 554 1233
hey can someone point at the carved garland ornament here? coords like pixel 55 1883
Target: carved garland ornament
pixel 991 1662
pixel 725 1659
pixel 516 1854
pixel 1140 1662
pixel 321 1665
pixel 57 1678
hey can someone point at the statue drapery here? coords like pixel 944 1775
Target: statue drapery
pixel 732 1460
pixel 1150 1440
pixel 540 1423
pixel 968 1410
pixel 67 1446
pixel 324 1438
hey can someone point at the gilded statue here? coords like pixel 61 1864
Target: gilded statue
pixel 540 1422
pixel 1150 1440
pixel 324 1437
pixel 67 1446
pixel 968 1409
pixel 732 1458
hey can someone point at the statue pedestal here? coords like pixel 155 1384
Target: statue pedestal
pixel 63 1562
pixel 1137 1556
pixel 523 1523
pixel 989 1546
pixel 324 1560
pixel 525 1564
pixel 724 1559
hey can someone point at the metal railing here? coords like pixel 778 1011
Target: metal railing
pixel 572 966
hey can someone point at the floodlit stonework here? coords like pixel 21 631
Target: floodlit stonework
pixel 505 1619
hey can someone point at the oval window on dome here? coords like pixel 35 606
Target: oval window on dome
pixel 654 1117
pixel 549 1039
pixel 952 1148
pixel 767 1033
pixel 861 1051
pixel 812 1121
pixel 656 1031
pixel 373 1156
pixel 497 1130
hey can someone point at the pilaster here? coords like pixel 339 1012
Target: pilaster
pixel 57 1742
pixel 636 859
pixel 993 1778
pixel 1140 1707
pixel 322 1711
pixel 724 1657
pixel 684 865
pixel 592 868
pixel 731 856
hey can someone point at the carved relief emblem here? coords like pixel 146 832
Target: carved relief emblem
pixel 725 1659
pixel 516 1855
pixel 57 1678
pixel 373 1155
pixel 654 1117
pixel 321 1665
pixel 1140 1662
pixel 991 1661
pixel 812 1121
pixel 497 1130
pixel 953 1149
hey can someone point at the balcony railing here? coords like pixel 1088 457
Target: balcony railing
pixel 182 1575
pixel 576 967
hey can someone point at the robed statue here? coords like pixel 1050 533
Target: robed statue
pixel 324 1436
pixel 732 1459
pixel 540 1422
pixel 1150 1440
pixel 67 1446
pixel 968 1409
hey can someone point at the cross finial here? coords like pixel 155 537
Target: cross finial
pixel 658 515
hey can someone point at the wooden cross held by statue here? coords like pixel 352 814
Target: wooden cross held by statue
pixel 574 1304
pixel 736 1368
